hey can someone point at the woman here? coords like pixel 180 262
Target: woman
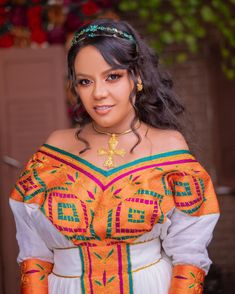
pixel 117 204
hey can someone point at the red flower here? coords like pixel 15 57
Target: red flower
pixel 6 41
pixel 90 8
pixel 38 36
pixel 34 17
pixel 2 16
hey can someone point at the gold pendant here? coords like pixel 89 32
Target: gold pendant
pixel 113 142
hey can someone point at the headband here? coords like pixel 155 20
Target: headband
pixel 100 31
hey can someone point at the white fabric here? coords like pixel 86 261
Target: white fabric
pixel 154 279
pixel 184 239
pixel 188 237
pixel 67 262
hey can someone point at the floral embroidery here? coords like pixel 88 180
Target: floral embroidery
pixel 34 275
pixel 188 279
pixel 102 212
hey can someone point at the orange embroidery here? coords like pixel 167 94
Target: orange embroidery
pixel 187 279
pixel 34 273
pixel 97 209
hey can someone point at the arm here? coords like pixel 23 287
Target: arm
pixel 186 243
pixel 34 257
pixel 192 222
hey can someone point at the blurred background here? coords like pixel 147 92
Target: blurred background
pixel 195 40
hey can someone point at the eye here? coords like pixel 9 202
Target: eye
pixel 114 77
pixel 83 82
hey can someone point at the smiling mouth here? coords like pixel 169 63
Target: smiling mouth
pixel 103 107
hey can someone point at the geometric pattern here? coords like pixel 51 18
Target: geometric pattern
pixel 136 215
pixel 105 211
pixel 62 215
pixel 188 192
pixel 88 204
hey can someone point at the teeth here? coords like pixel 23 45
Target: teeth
pixel 103 107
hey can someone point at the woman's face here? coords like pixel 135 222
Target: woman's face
pixel 104 91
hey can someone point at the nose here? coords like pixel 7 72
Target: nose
pixel 100 90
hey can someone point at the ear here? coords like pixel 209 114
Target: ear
pixel 139 81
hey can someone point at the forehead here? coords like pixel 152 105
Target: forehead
pixel 90 59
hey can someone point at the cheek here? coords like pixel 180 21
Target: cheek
pixel 84 95
pixel 124 91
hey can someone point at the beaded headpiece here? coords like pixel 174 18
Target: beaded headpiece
pixel 99 31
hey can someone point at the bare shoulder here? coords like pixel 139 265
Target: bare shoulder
pixel 167 140
pixel 61 138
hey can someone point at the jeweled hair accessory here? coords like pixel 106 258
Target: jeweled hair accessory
pixel 99 31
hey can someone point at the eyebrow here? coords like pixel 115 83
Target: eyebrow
pixel 103 73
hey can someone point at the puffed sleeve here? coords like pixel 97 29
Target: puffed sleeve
pixel 35 258
pixel 192 221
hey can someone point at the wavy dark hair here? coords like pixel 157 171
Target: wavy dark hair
pixel 156 105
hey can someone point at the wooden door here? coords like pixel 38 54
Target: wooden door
pixel 32 104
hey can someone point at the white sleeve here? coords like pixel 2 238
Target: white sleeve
pixel 187 238
pixel 31 245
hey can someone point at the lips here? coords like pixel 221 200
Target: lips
pixel 103 109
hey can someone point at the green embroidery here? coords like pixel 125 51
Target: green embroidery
pixel 139 213
pixel 71 218
pixel 185 185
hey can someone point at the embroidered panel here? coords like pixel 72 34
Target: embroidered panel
pixel 187 279
pixel 85 204
pixel 34 276
pixel 106 269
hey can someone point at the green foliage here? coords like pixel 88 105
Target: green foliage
pixel 189 23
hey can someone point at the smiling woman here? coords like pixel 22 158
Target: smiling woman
pixel 104 92
pixel 117 204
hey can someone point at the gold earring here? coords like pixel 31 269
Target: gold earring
pixel 139 87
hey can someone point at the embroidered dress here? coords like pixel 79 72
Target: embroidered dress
pixel 142 227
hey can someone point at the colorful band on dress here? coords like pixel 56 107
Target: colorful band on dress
pixel 34 276
pixel 187 279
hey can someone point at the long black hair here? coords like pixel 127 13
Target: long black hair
pixel 156 105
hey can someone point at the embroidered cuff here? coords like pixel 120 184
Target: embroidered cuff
pixel 187 279
pixel 34 273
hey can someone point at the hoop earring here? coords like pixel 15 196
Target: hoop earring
pixel 139 87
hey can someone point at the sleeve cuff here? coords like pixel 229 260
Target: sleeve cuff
pixel 34 276
pixel 187 279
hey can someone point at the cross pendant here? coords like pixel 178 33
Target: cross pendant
pixel 111 151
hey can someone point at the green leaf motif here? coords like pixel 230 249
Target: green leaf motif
pixel 110 253
pixel 192 274
pixel 111 279
pixel 97 255
pixel 98 282
pixel 42 278
pixel 38 265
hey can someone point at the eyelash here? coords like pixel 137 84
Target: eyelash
pixel 80 82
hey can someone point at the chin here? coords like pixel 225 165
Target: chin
pixel 105 123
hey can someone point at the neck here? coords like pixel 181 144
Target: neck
pixel 119 127
pixel 117 131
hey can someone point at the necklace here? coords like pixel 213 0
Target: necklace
pixel 112 143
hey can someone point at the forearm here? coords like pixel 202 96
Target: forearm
pixel 34 276
pixel 187 279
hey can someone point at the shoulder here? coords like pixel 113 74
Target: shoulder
pixel 167 140
pixel 61 138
